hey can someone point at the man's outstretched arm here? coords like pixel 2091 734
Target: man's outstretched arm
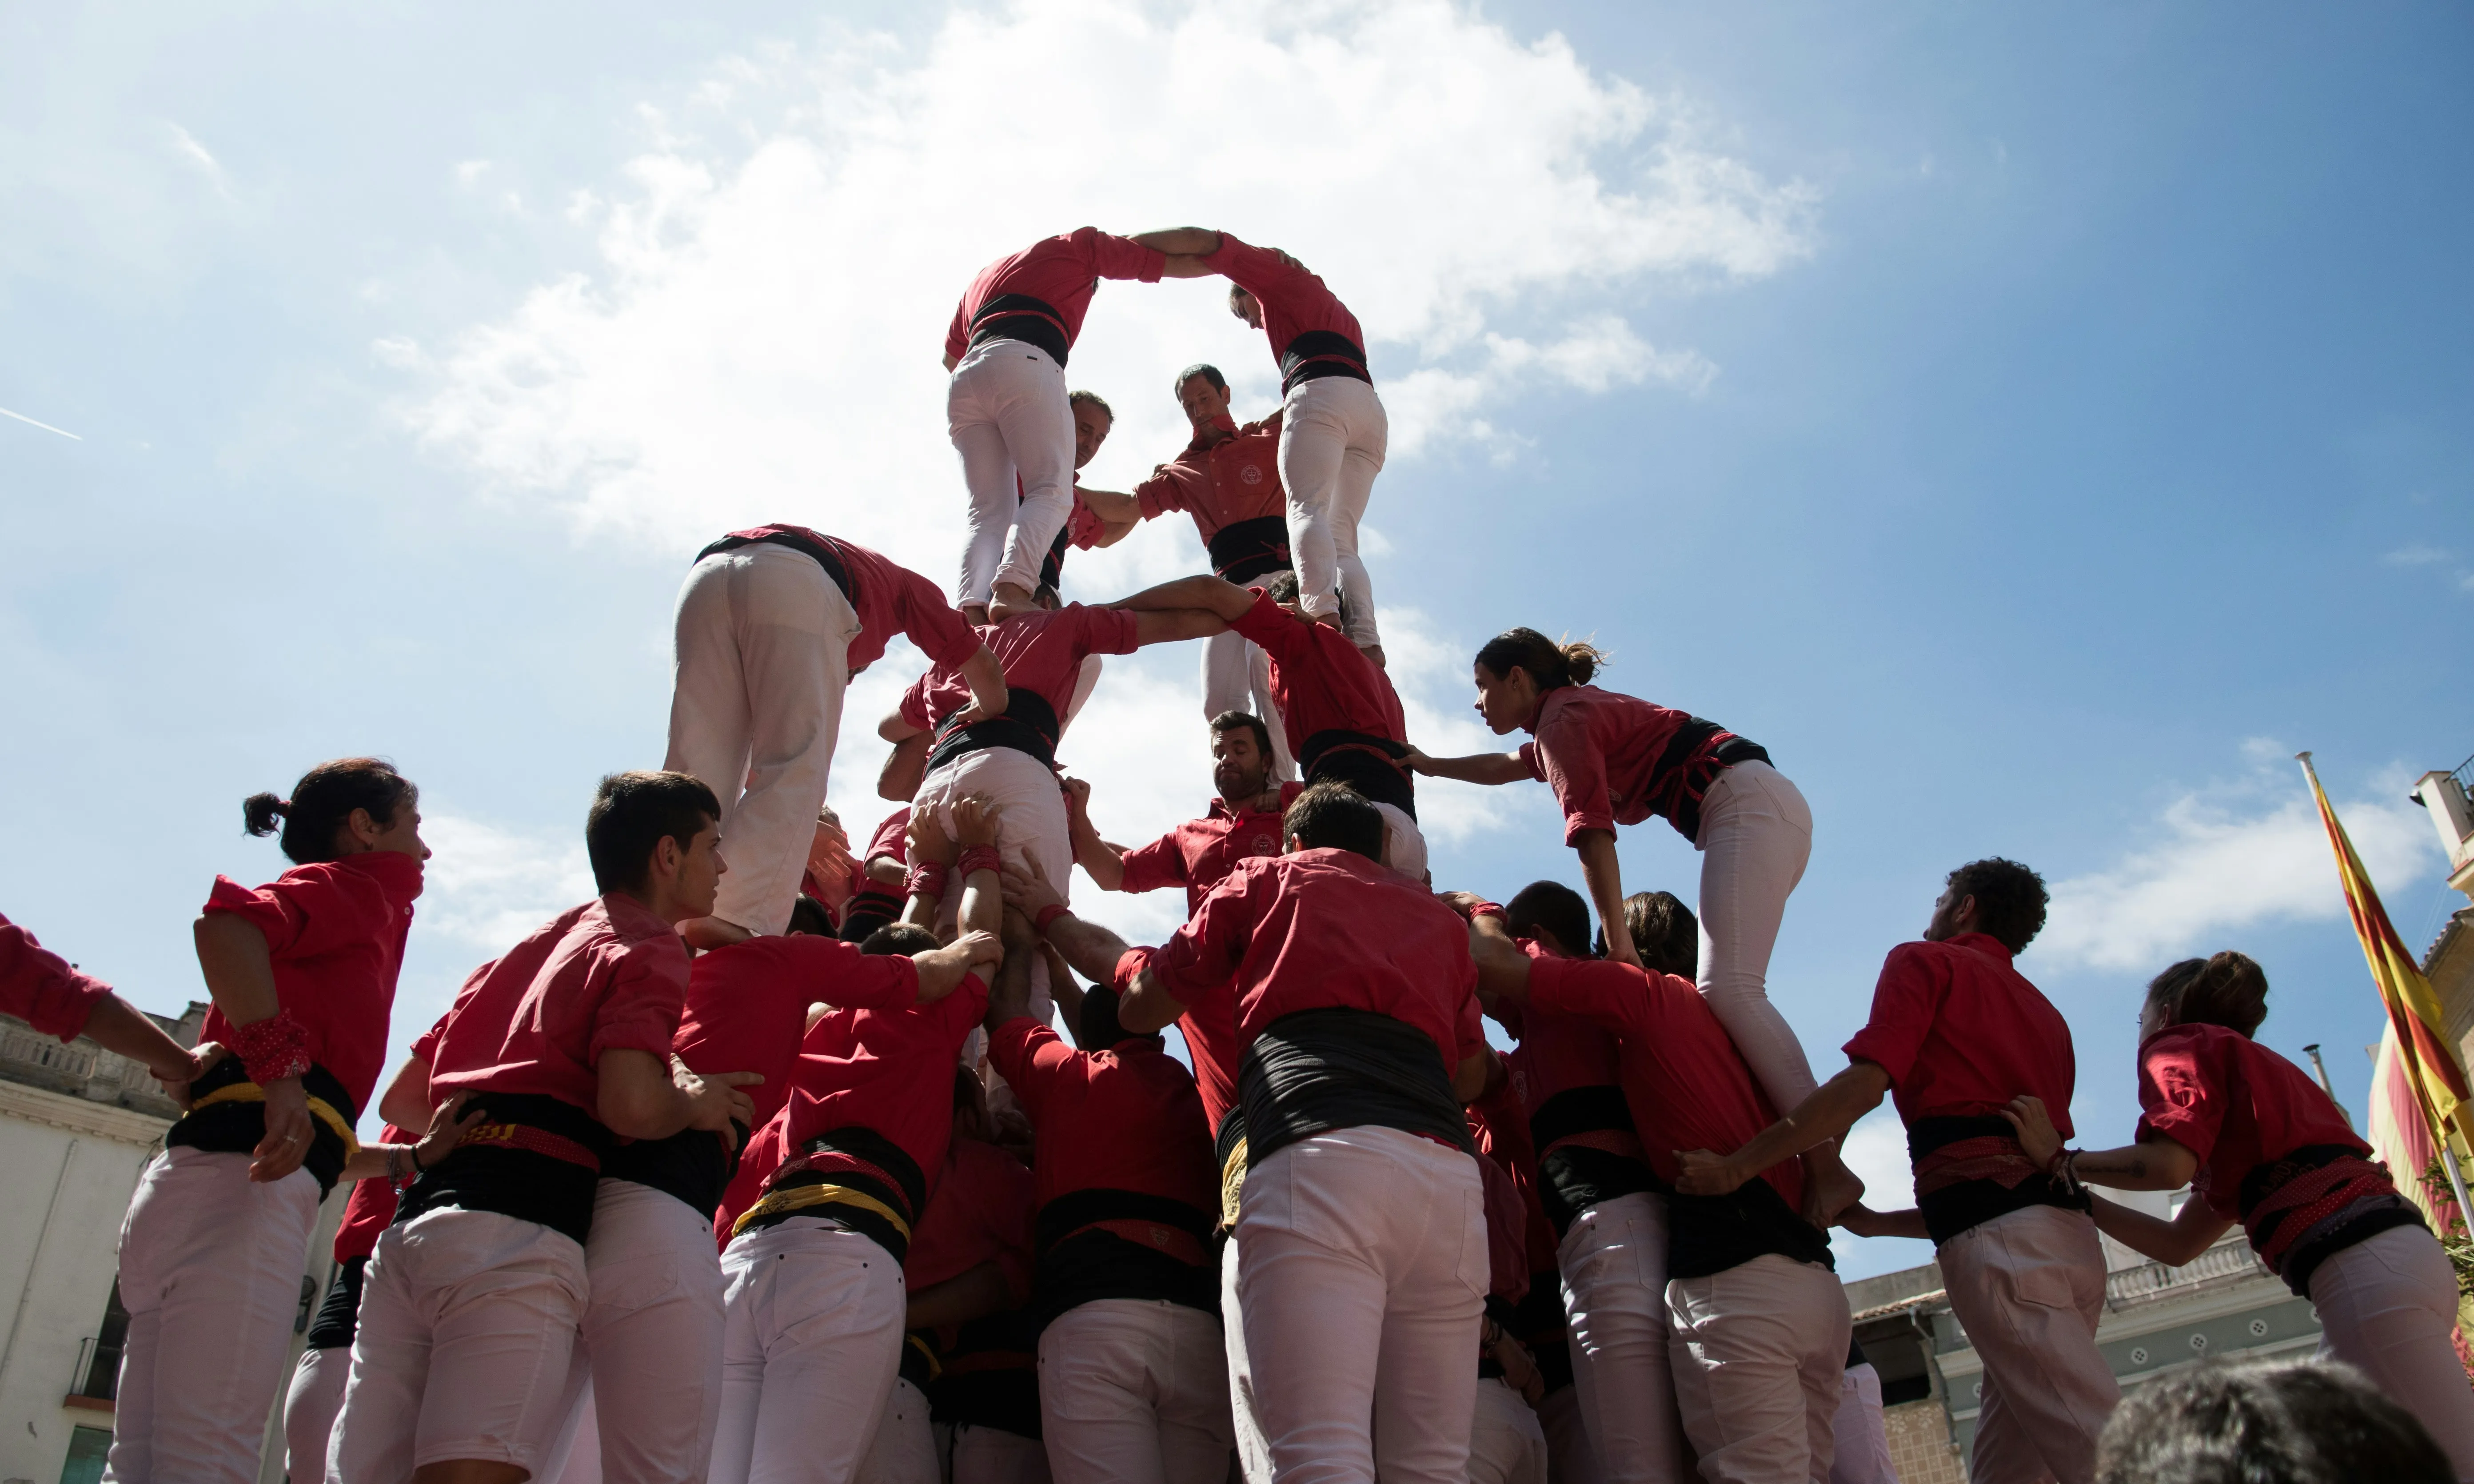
pixel 1216 594
pixel 1827 1114
pixel 1196 241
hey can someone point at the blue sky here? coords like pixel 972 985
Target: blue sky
pixel 2033 430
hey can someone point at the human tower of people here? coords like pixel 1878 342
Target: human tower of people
pixel 766 1164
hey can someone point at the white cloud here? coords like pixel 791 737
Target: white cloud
pixel 2417 555
pixel 185 145
pixel 2227 858
pixel 759 338
pixel 486 887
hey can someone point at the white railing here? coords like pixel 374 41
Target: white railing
pixel 2230 1258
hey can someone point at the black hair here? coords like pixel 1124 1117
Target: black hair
pixel 1664 934
pixel 812 916
pixel 1206 371
pixel 2228 989
pixel 1283 589
pixel 1333 815
pixel 899 938
pixel 1078 399
pixel 322 800
pixel 1232 720
pixel 632 813
pixel 2288 1422
pixel 2009 899
pixel 1098 1029
pixel 1556 907
pixel 1547 663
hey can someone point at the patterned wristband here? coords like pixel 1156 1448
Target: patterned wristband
pixel 1487 910
pixel 272 1048
pixel 925 879
pixel 1046 916
pixel 978 857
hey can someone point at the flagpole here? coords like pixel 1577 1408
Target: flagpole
pixel 2412 1065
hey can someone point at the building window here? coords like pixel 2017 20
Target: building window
pixel 101 1380
pixel 87 1446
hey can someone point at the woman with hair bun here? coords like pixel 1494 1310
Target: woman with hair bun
pixel 302 974
pixel 1612 759
pixel 2259 1142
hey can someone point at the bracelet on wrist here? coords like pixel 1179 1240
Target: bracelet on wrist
pixel 978 857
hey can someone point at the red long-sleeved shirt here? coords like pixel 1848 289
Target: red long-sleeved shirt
pixel 1319 680
pixel 1123 1119
pixel 1063 273
pixel 747 1005
pixel 1961 1032
pixel 1328 929
pixel 40 988
pixel 1237 478
pixel 1042 652
pixel 1295 302
pixel 335 933
pixel 606 975
pixel 1602 753
pixel 887 1066
pixel 980 1212
pixel 2233 1103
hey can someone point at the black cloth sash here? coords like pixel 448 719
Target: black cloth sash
pixel 821 549
pixel 691 1164
pixel 1029 725
pixel 236 1125
pixel 1363 761
pixel 870 908
pixel 1051 567
pixel 339 1317
pixel 1709 1234
pixel 1684 790
pixel 1079 1264
pixel 2377 1214
pixel 1024 318
pixel 1575 1178
pixel 1245 550
pixel 2296 1256
pixel 523 1184
pixel 1970 1203
pixel 991 1376
pixel 858 1161
pixel 1321 352
pixel 1313 1071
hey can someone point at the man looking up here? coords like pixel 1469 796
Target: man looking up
pixel 1362 1261
pixel 1955 1033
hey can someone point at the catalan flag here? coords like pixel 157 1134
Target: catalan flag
pixel 2421 1040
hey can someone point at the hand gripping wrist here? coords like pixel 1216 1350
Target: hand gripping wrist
pixel 272 1048
pixel 1045 917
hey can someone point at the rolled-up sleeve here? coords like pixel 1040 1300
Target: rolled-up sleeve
pixel 41 988
pixel 1904 1003
pixel 648 991
pixel 1203 954
pixel 1112 256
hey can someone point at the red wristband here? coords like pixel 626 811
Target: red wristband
pixel 1487 910
pixel 978 857
pixel 272 1048
pixel 925 879
pixel 1048 914
pixel 1130 965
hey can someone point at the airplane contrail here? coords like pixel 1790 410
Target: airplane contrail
pixel 45 426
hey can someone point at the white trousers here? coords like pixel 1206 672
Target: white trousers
pixel 211 1271
pixel 761 647
pixel 577 1457
pixel 2029 1287
pixel 1861 1451
pixel 311 1404
pixel 652 1330
pixel 1237 676
pixel 1570 1457
pixel 812 1345
pixel 1757 1352
pixel 1361 1273
pixel 1134 1390
pixel 2388 1304
pixel 993 1456
pixel 466 1336
pixel 1031 830
pixel 1614 1262
pixel 1506 1444
pixel 1755 837
pixel 1007 413
pixel 904 1449
pixel 1253 1450
pixel 1333 432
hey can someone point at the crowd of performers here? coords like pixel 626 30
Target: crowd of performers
pixel 768 1163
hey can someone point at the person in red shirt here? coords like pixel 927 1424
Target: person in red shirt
pixel 2259 1142
pixel 1009 760
pixel 813 1271
pixel 1615 759
pixel 55 998
pixel 563 1045
pixel 1005 406
pixel 1757 1322
pixel 773 623
pixel 1133 1383
pixel 302 972
pixel 1359 1254
pixel 1333 429
pixel 1606 1207
pixel 1507 1433
pixel 877 893
pixel 1228 481
pixel 1343 719
pixel 1956 1032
